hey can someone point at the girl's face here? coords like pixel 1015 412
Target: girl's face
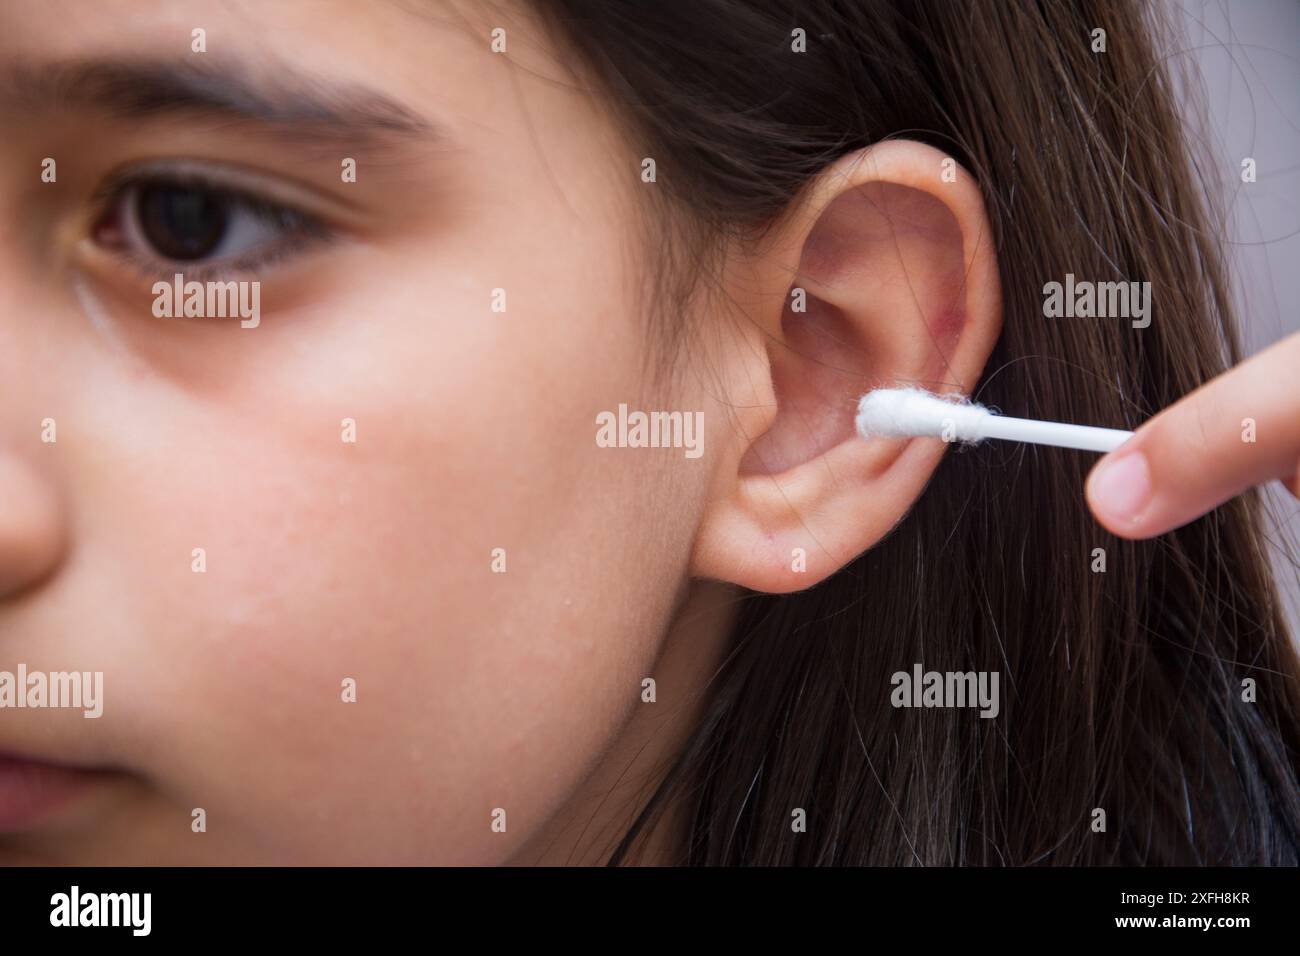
pixel 388 481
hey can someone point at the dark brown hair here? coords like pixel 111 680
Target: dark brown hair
pixel 1120 690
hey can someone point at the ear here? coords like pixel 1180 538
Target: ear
pixel 889 255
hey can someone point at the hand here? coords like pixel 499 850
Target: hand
pixel 1238 430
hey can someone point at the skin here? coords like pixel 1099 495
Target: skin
pixel 328 560
pixel 373 561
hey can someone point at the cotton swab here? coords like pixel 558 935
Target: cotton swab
pixel 908 412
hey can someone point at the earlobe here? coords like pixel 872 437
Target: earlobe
pixel 891 250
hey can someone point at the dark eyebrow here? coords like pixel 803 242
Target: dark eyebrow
pixel 277 97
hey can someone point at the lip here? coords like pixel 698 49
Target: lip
pixel 32 790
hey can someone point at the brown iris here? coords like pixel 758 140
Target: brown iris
pixel 182 222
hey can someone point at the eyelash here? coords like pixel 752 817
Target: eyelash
pixel 302 230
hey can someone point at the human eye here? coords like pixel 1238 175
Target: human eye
pixel 162 219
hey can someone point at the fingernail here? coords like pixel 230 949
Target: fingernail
pixel 1121 488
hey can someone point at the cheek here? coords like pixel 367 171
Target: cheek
pixel 375 562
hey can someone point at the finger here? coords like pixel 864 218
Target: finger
pixel 1238 430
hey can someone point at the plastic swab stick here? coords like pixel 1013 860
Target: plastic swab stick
pixel 909 412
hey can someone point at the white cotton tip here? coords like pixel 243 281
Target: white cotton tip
pixel 908 412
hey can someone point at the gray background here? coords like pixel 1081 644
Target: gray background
pixel 1241 61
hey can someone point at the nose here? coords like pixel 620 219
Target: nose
pixel 32 530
